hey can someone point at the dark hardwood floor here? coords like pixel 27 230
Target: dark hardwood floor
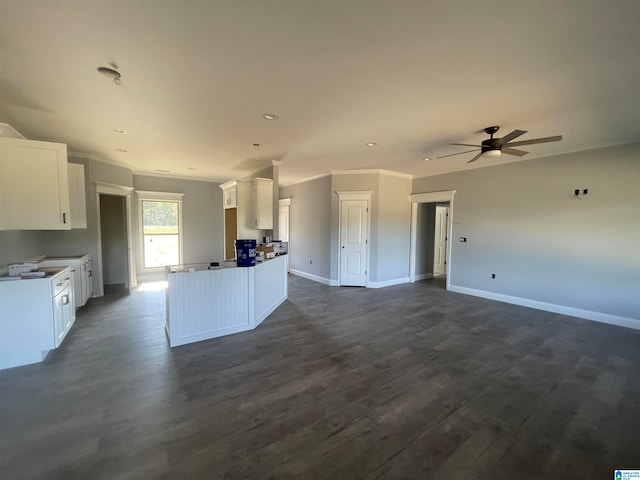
pixel 410 381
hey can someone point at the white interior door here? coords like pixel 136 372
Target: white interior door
pixel 440 248
pixel 284 224
pixel 354 218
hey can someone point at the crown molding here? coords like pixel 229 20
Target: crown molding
pixel 308 179
pixel 95 158
pixel 378 171
pixel 141 173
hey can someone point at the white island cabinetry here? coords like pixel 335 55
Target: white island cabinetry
pixel 205 304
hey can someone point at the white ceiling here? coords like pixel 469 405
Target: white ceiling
pixel 411 75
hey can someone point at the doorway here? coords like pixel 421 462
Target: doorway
pixel 284 225
pixel 431 227
pixel 113 239
pixel 230 233
pixel 353 251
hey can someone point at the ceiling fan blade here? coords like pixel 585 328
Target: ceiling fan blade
pixel 515 134
pixel 513 151
pixel 475 158
pixel 557 138
pixel 466 145
pixel 459 153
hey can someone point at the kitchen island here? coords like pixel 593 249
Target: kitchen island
pixel 204 304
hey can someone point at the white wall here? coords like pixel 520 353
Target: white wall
pixel 523 223
pixel 18 245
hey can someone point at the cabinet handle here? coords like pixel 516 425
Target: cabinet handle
pixel 58 284
pixel 64 218
pixel 65 299
pixel 90 273
pixel 73 270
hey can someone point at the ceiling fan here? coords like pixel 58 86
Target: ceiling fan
pixel 494 147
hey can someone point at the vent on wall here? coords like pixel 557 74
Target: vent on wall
pixel 8 131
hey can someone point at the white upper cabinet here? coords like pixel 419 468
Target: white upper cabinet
pixel 261 204
pixel 77 198
pixel 34 190
pixel 230 197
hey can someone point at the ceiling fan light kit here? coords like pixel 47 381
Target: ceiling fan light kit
pixel 495 147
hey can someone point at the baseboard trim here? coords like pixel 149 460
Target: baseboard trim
pixel 315 278
pixel 551 307
pixel 388 283
pixel 422 276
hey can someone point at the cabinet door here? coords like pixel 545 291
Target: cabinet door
pixel 261 204
pixel 34 192
pixel 58 319
pixel 230 197
pixel 77 197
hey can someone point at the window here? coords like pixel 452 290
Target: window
pixel 161 229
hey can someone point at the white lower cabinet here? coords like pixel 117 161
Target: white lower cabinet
pixel 80 266
pixel 37 314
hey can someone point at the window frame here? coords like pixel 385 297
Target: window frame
pixel 146 196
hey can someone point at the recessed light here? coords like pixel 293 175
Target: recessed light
pixel 270 116
pixel 162 171
pixel 121 150
pixel 117 130
pixel 371 144
pixel 426 159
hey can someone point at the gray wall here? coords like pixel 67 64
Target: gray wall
pixel 310 226
pixel 81 241
pixel 18 245
pixel 202 217
pixel 425 238
pixel 390 260
pixel 524 224
pixel 315 221
pixel 114 240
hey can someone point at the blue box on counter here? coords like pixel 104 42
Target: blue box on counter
pixel 246 253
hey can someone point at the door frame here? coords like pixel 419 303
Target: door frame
pixel 354 195
pixel 446 236
pixel 430 197
pixel 122 191
pixel 286 202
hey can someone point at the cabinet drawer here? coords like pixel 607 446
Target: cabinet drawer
pixel 61 281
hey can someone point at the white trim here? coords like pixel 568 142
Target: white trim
pixel 145 195
pixel 113 189
pixel 551 307
pixel 308 179
pixel 422 276
pixel 430 197
pixel 315 278
pixel 285 201
pixel 355 195
pixel 388 283
pixel 375 171
pixel 200 178
pixel 95 158
pixel 276 163
pixel 155 196
pixel 121 191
